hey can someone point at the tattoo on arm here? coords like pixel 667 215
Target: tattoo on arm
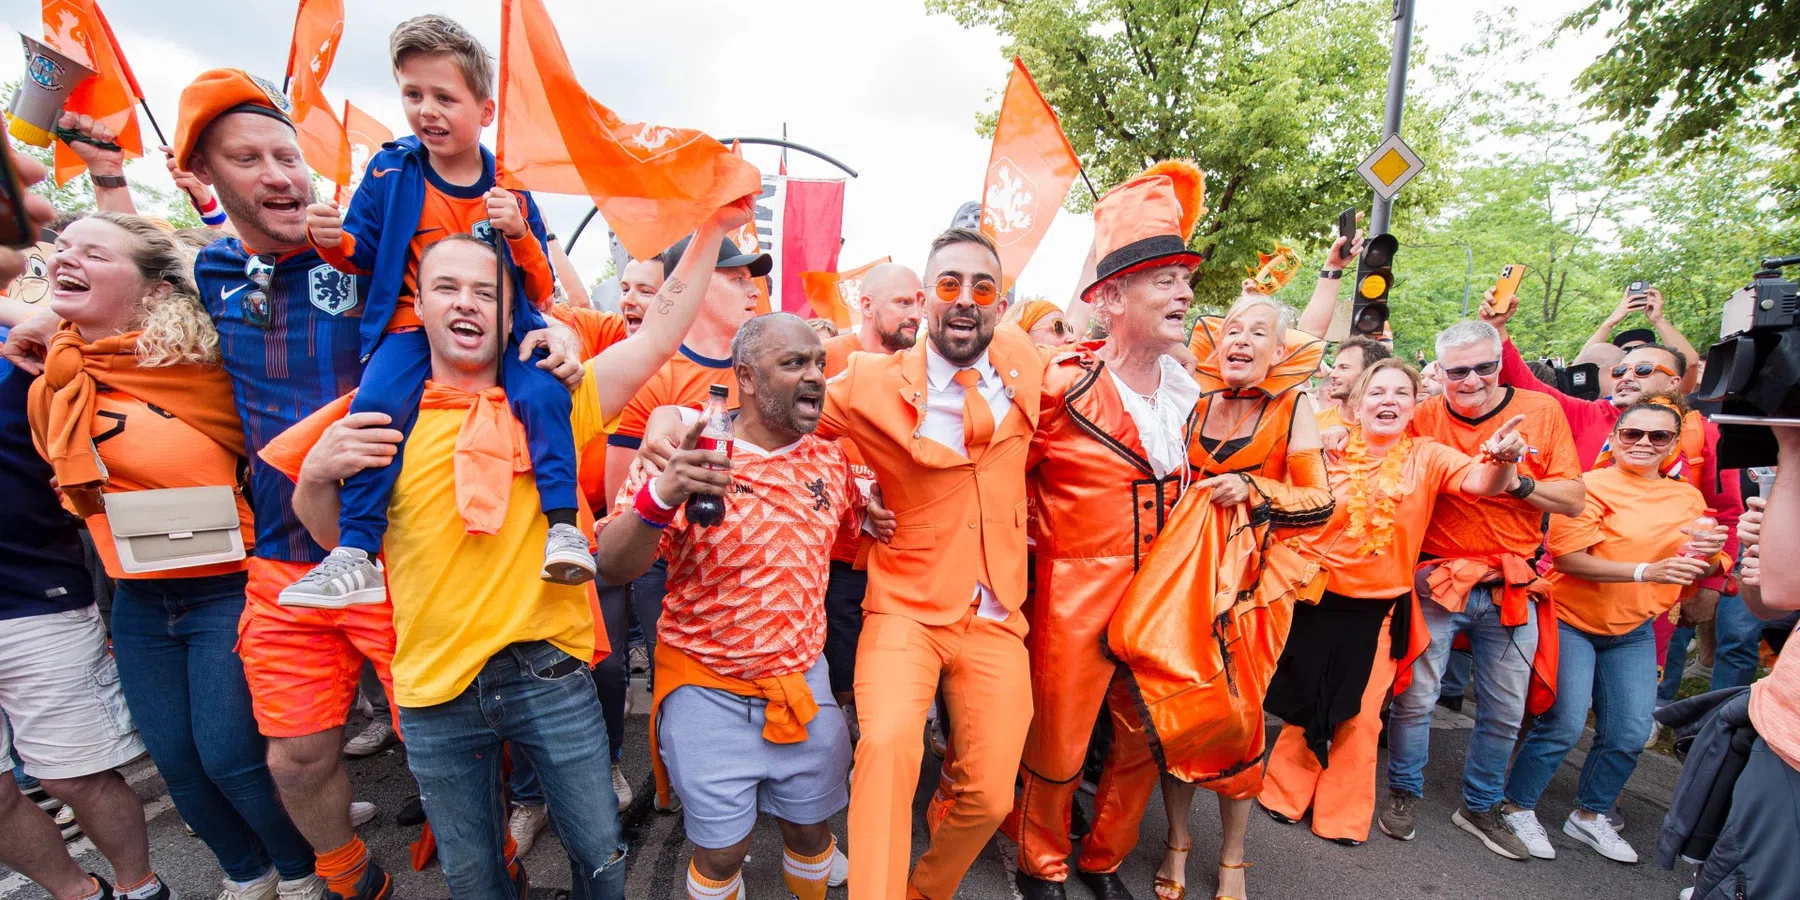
pixel 664 302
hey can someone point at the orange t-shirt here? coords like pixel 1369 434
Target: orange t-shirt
pixel 1775 707
pixel 1431 470
pixel 850 544
pixel 597 331
pixel 145 448
pixel 451 209
pixel 1331 417
pixel 1479 526
pixel 746 598
pixel 682 381
pixel 1626 519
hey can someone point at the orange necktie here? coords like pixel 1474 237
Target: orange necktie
pixel 978 417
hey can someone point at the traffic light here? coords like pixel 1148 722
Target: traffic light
pixel 1374 276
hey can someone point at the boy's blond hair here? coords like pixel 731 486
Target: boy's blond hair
pixel 435 35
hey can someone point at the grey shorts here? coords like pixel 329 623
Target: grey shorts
pixel 725 772
pixel 59 687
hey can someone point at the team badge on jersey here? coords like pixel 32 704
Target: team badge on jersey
pixel 483 231
pixel 332 291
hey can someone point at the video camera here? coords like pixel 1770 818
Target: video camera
pixel 1753 373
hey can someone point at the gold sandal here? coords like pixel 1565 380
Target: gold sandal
pixel 1168 888
pixel 1226 865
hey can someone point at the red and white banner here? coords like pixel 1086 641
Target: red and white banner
pixel 800 221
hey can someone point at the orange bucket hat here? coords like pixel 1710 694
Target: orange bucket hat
pixel 1146 222
pixel 219 92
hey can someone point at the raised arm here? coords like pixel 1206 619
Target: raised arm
pixel 1672 337
pixel 568 277
pixel 1316 320
pixel 101 163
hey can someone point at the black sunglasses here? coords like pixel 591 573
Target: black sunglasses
pixel 1658 437
pixel 1458 373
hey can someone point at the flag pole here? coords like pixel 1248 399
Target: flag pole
pixel 160 140
pixel 1090 184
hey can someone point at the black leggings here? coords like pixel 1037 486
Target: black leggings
pixel 610 675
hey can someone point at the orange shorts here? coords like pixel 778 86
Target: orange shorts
pixel 303 663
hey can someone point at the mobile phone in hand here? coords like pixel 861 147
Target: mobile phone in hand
pixel 1347 226
pixel 1507 288
pixel 1638 294
pixel 16 229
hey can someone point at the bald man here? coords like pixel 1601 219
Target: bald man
pixel 892 302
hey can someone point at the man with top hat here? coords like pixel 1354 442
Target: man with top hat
pixel 1107 463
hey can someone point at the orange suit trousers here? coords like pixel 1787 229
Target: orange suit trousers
pixel 987 686
pixel 1342 794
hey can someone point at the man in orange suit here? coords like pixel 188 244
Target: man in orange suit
pixel 945 426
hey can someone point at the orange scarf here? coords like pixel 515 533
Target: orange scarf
pixel 791 703
pixel 490 449
pixel 62 402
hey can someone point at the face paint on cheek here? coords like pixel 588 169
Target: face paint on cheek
pixel 33 283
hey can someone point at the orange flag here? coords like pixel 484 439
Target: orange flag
pixel 78 30
pixel 836 295
pixel 318 27
pixel 654 184
pixel 1029 172
pixel 363 135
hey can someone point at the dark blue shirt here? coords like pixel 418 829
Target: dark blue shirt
pixel 41 567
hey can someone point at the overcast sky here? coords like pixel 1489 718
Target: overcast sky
pixel 887 88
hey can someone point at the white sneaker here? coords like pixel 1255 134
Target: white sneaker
pixel 1599 834
pixel 525 824
pixel 1524 823
pixel 361 813
pixel 371 740
pixel 567 559
pixel 312 887
pixel 840 868
pixel 261 889
pixel 347 577
pixel 621 787
pixel 1687 893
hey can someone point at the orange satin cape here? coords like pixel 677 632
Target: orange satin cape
pixel 791 704
pixel 61 405
pixel 490 449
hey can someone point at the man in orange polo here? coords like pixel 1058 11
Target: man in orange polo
pixel 891 300
pixel 945 426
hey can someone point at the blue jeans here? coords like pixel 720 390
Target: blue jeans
pixel 1612 675
pixel 1456 674
pixel 1502 674
pixel 175 641
pixel 530 696
pixel 610 684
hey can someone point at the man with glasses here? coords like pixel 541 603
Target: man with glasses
pixel 1475 577
pixel 1654 369
pixel 945 426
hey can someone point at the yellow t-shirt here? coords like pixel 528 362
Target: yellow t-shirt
pixel 460 598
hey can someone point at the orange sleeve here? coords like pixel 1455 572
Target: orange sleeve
pixel 637 413
pixel 1557 458
pixel 1304 500
pixel 597 330
pixel 529 255
pixel 1569 535
pixel 339 257
pixel 1445 469
pixel 834 418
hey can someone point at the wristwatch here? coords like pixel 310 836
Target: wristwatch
pixel 1333 274
pixel 1527 484
pixel 108 181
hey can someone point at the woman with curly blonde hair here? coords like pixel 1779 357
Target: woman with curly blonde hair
pixel 132 399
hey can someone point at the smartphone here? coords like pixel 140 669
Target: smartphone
pixel 1347 225
pixel 15 224
pixel 1507 287
pixel 1637 293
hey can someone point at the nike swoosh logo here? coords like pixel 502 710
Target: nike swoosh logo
pixel 380 172
pixel 227 295
pixel 428 230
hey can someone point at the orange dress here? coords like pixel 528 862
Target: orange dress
pixel 1203 622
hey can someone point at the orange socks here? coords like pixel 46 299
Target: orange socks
pixel 699 887
pixel 343 868
pixel 806 876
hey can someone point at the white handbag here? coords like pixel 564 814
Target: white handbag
pixel 175 528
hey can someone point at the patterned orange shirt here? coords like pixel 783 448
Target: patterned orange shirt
pixel 746 598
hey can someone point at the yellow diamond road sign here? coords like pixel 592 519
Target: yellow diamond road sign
pixel 1390 167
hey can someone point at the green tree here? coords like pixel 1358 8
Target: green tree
pixel 1277 101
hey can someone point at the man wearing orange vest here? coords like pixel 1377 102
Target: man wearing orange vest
pixel 1107 464
pixel 945 426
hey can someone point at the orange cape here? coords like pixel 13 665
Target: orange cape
pixel 61 405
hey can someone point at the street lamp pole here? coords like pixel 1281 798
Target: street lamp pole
pixel 1396 100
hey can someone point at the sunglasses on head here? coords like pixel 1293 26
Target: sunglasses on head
pixel 1643 370
pixel 259 269
pixel 1659 437
pixel 984 291
pixel 1458 373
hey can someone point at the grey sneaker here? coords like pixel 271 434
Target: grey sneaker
pixel 1492 830
pixel 362 813
pixel 567 559
pixel 311 887
pixel 261 889
pixel 621 787
pixel 1525 824
pixel 371 740
pixel 1599 834
pixel 1396 819
pixel 524 825
pixel 348 577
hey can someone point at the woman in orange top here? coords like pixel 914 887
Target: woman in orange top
pixel 132 399
pixel 1342 654
pixel 1198 663
pixel 1620 564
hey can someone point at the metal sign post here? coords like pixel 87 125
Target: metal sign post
pixel 1396 102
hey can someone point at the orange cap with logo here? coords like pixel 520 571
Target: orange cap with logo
pixel 1146 222
pixel 218 92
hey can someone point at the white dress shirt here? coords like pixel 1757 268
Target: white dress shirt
pixel 1161 417
pixel 943 423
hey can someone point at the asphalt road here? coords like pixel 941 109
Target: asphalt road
pixel 1289 861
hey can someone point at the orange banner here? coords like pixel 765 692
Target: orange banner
pixel 653 184
pixel 837 295
pixel 1029 172
pixel 363 136
pixel 318 27
pixel 78 30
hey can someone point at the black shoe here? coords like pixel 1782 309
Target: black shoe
pixel 1348 842
pixel 106 890
pixel 1078 822
pixel 1037 888
pixel 1454 704
pixel 1105 885
pixel 411 813
pixel 373 885
pixel 1279 817
pixel 163 891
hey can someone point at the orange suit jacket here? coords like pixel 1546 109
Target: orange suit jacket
pixel 957 518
